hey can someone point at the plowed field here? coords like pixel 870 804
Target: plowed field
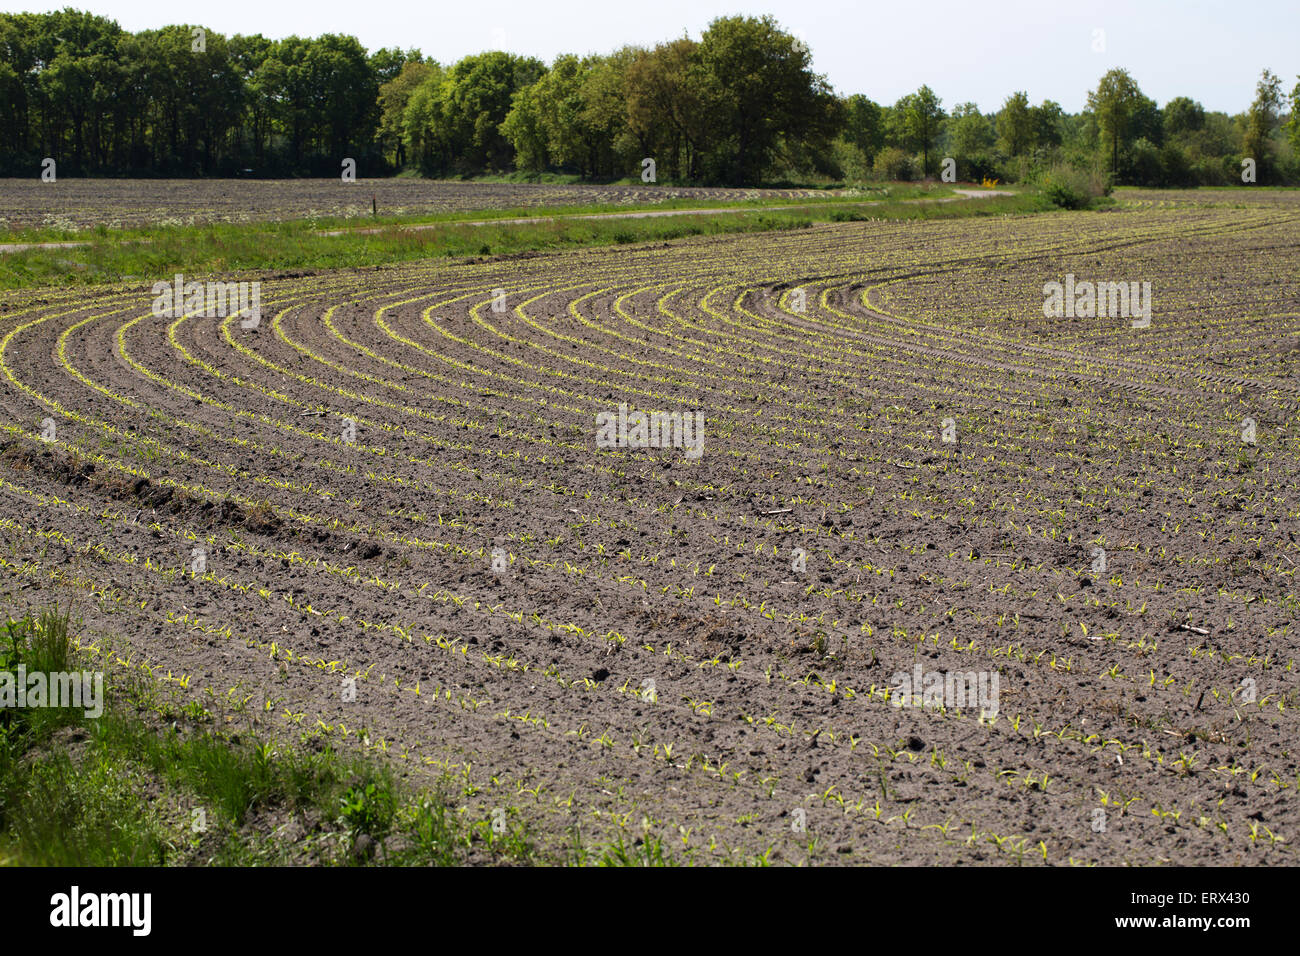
pixel 83 203
pixel 395 479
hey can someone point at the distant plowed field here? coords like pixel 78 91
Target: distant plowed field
pixel 1213 196
pixel 907 469
pixel 123 203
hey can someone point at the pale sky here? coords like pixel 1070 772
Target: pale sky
pixel 1210 50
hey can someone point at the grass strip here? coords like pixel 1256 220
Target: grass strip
pixel 149 782
pixel 226 248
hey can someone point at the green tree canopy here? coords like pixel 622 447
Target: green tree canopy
pixel 1115 101
pixel 919 119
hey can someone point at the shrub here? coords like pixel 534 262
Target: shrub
pixel 894 164
pixel 1216 171
pixel 1141 165
pixel 978 168
pixel 1071 188
pixel 1177 170
pixel 851 160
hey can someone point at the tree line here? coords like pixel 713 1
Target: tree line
pixel 740 106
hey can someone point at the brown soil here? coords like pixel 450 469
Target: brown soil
pixel 1147 712
pixel 121 203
